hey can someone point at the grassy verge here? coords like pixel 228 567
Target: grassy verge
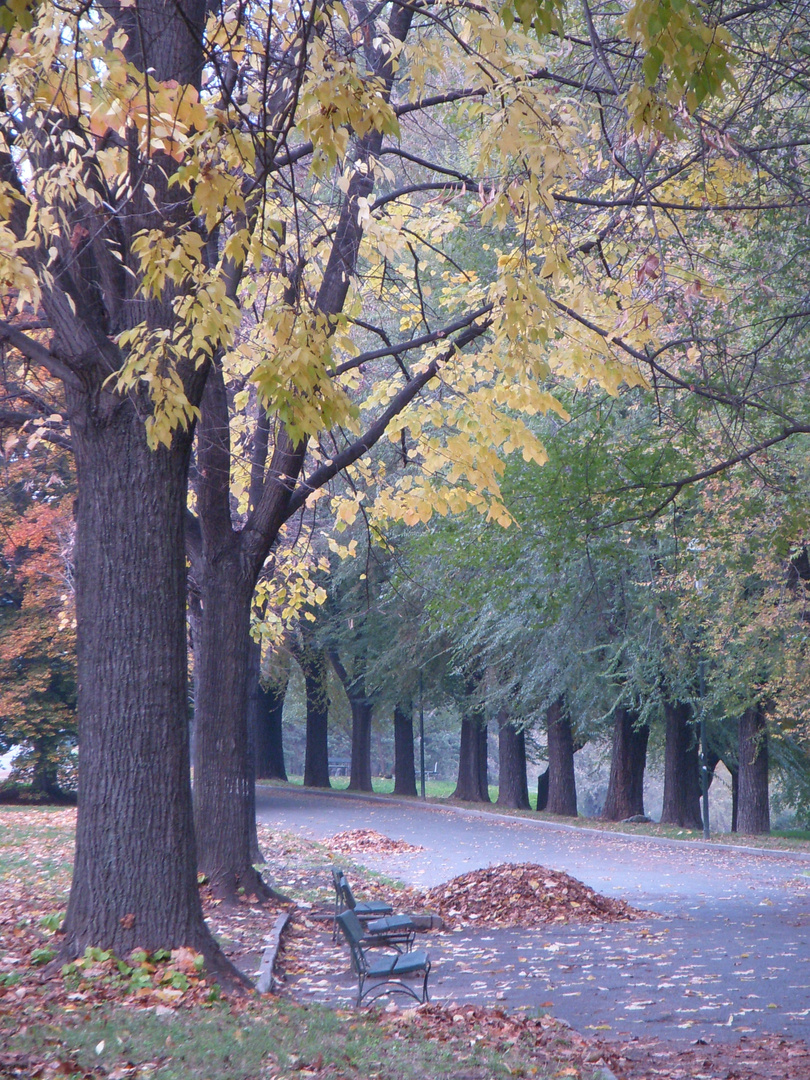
pixel 261 1041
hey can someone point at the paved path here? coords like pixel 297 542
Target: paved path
pixel 725 953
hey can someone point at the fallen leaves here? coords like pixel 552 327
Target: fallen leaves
pixel 552 1047
pixel 522 894
pixel 367 840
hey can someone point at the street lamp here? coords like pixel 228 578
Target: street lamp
pixel 704 767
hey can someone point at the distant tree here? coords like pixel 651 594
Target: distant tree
pixel 37 616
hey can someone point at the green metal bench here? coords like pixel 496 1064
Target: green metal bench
pixel 385 975
pixel 379 928
pixel 344 898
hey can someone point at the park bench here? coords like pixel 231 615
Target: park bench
pixel 379 925
pixel 385 975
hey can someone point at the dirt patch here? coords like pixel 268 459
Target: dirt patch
pixel 367 840
pixel 522 894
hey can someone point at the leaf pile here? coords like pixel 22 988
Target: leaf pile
pixel 368 840
pixel 521 894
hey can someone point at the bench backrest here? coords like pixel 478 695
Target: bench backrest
pixel 353 932
pixel 348 895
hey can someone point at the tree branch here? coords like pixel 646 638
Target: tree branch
pixel 38 354
pixel 374 433
pixel 414 343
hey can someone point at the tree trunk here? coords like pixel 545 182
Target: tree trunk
pixel 265 710
pixel 753 815
pixel 135 873
pixel 355 687
pixel 562 784
pixel 223 582
pixel 404 766
pixel 625 796
pixel 542 791
pixel 316 759
pixel 483 762
pixel 513 786
pixel 682 790
pixel 471 785
pixel 224 781
pixel 360 778
pixel 735 798
pixel 44 778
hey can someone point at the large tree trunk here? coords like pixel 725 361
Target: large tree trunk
pixel 682 791
pixel 753 815
pixel 625 796
pixel 562 784
pixel 224 778
pixel 360 778
pixel 232 557
pixel 224 810
pixel 265 710
pixel 316 759
pixel 404 766
pixel 135 874
pixel 472 766
pixel 513 786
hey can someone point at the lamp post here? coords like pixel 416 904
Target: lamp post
pixel 704 768
pixel 422 735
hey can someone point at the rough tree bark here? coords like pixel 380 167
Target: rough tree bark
pixel 135 874
pixel 562 784
pixel 404 762
pixel 753 813
pixel 682 791
pixel 513 786
pixel 625 796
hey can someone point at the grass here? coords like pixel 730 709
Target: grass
pixel 263 1040
pixel 383 785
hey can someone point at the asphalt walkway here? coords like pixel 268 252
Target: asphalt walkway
pixel 724 953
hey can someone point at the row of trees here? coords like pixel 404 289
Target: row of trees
pixel 582 629
pixel 246 244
